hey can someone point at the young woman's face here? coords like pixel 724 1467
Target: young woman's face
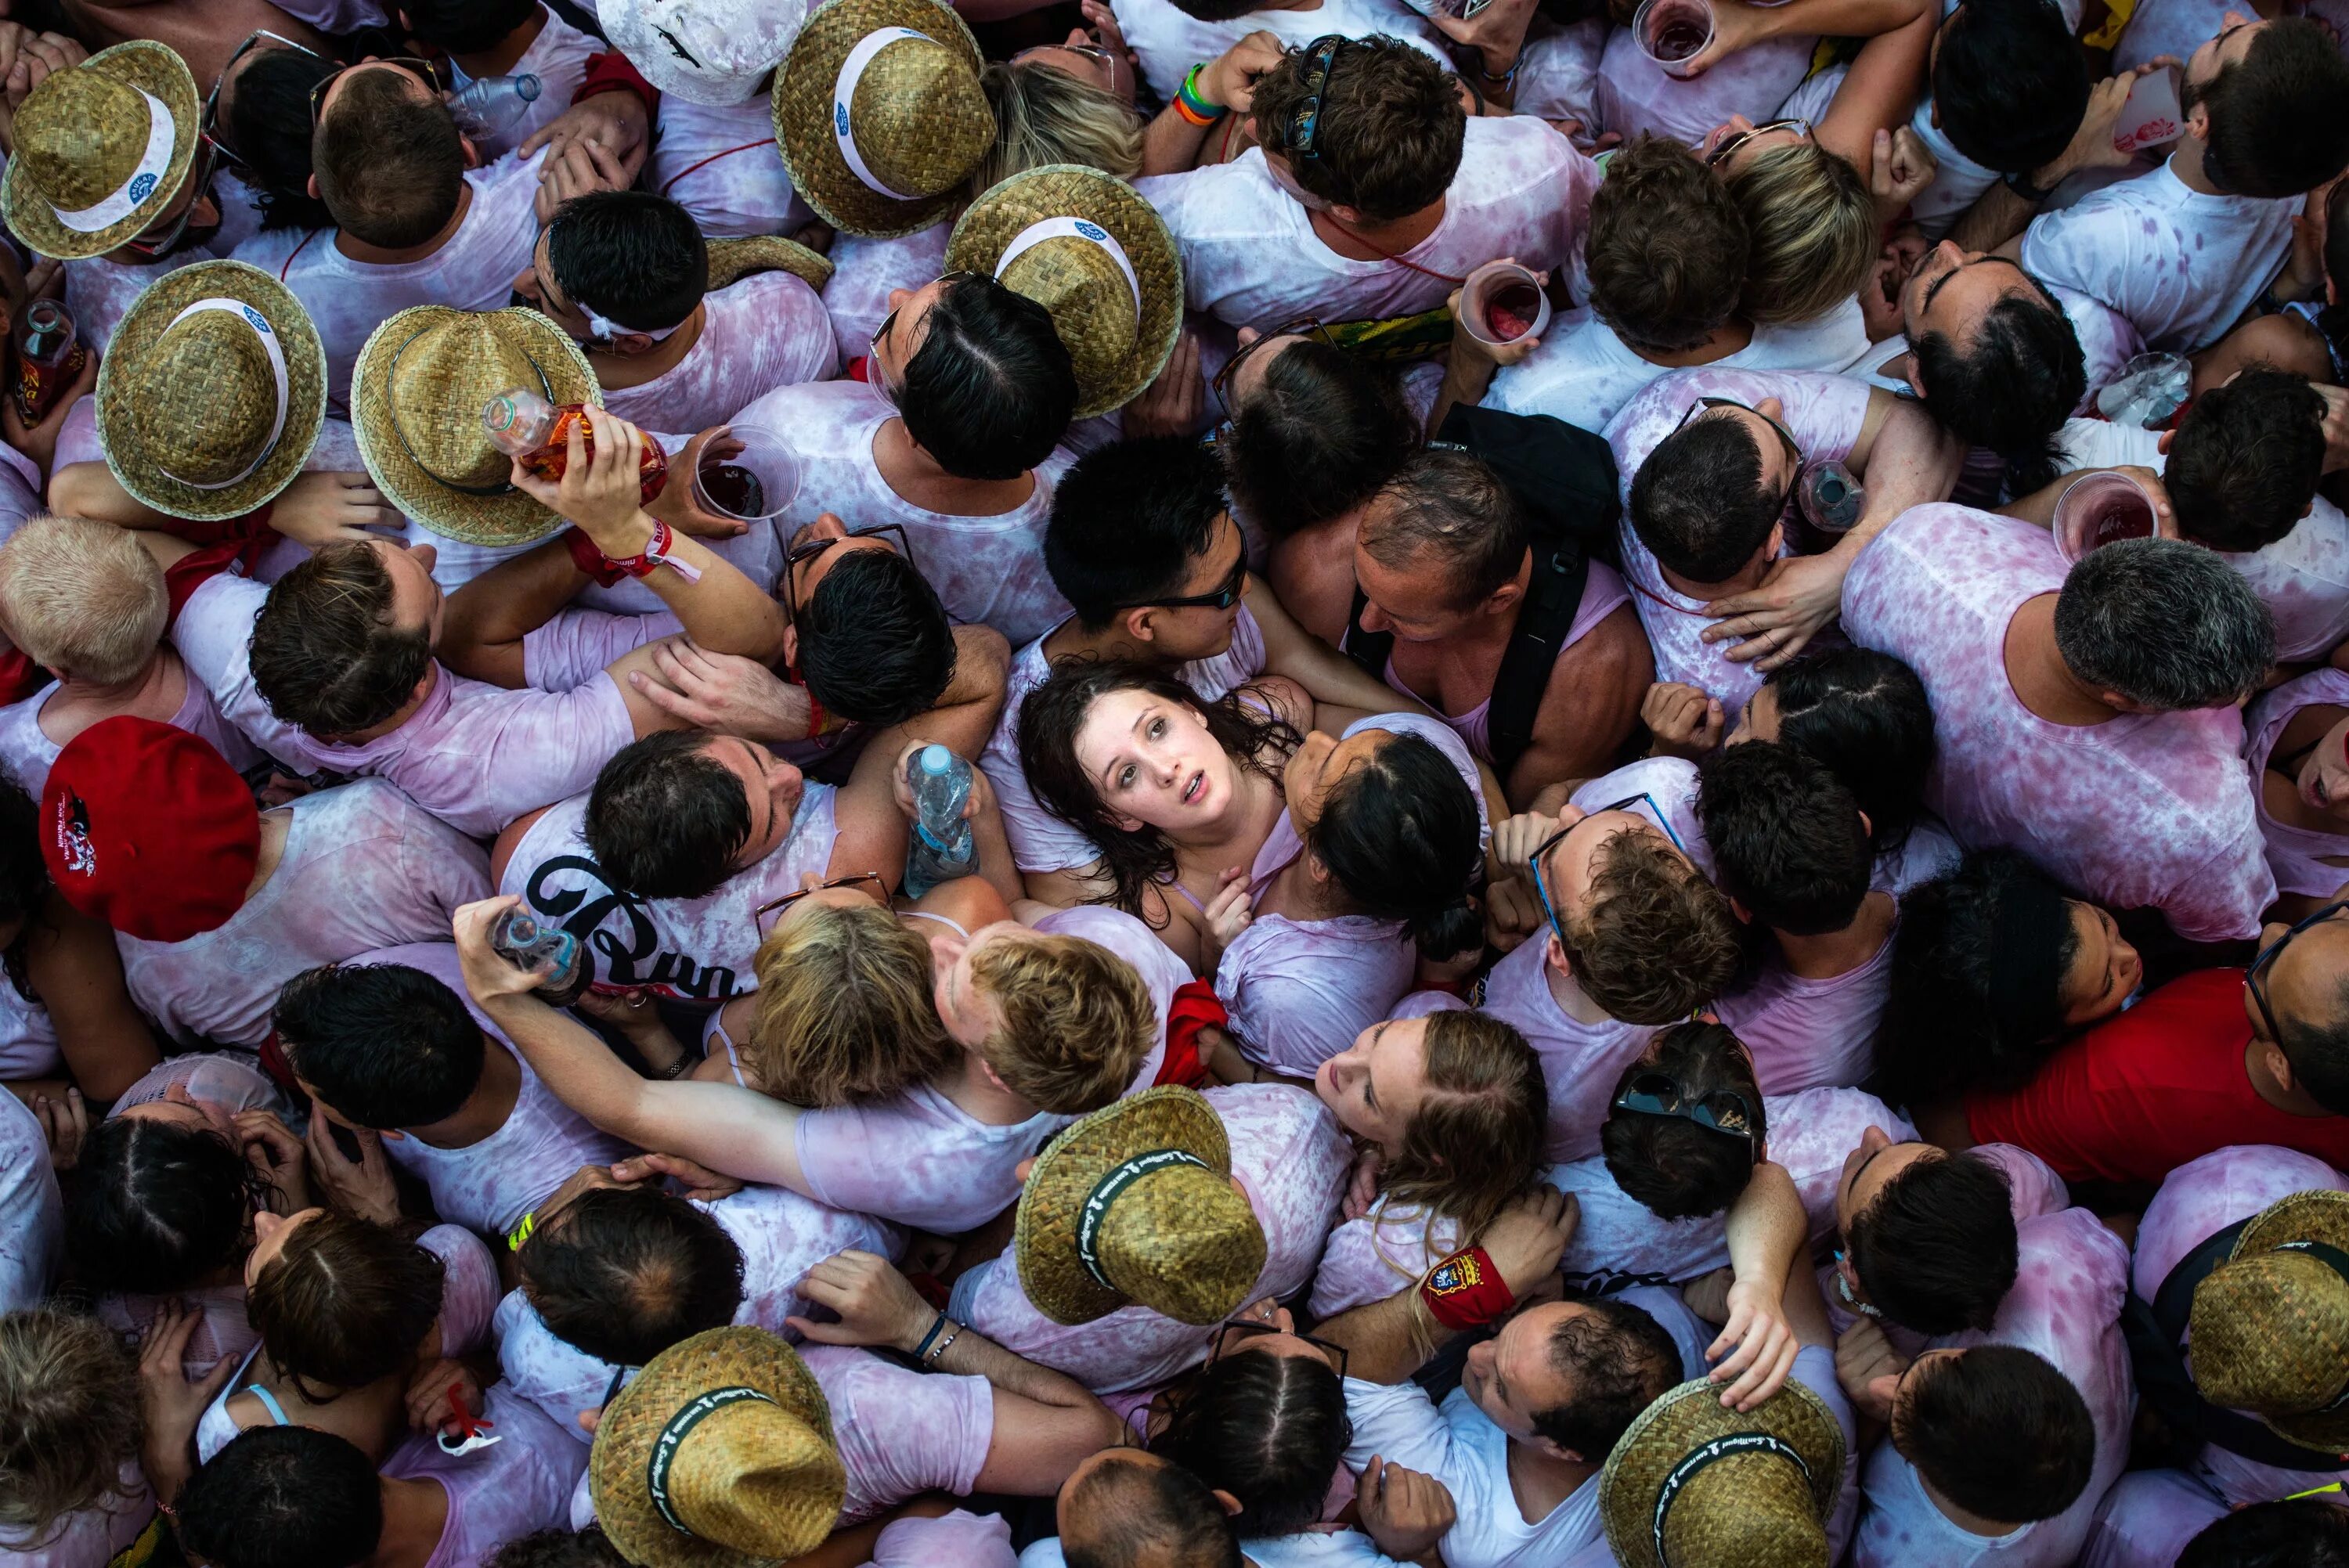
pixel 177 1106
pixel 1153 764
pixel 1373 1087
pixel 2105 973
pixel 2324 776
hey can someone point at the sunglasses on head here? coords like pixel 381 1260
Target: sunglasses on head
pixel 2255 977
pixel 209 122
pixel 770 914
pixel 1305 125
pixel 1542 850
pixel 423 70
pixel 1729 144
pixel 1220 384
pixel 1658 1094
pixel 1236 1332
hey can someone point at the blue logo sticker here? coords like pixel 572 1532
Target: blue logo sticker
pixel 141 188
pixel 1091 230
pixel 839 117
pixel 253 316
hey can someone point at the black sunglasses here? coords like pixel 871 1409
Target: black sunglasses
pixel 1722 1110
pixel 1222 598
pixel 770 914
pixel 209 122
pixel 1220 384
pixel 1306 123
pixel 424 70
pixel 800 554
pixel 2254 978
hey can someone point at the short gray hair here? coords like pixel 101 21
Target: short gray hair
pixel 2168 625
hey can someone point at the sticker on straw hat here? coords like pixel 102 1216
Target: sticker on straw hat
pixel 672 1436
pixel 261 328
pixel 1083 228
pixel 1728 1446
pixel 162 135
pixel 844 93
pixel 1106 1193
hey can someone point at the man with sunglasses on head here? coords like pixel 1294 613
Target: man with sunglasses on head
pixel 1711 462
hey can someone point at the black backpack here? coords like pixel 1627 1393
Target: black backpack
pixel 1563 478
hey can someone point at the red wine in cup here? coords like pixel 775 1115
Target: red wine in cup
pixel 1677 39
pixel 735 490
pixel 2120 519
pixel 1510 312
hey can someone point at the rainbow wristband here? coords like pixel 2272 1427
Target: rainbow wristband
pixel 1465 1290
pixel 1193 108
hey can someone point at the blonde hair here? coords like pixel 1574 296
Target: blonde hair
pixel 1046 116
pixel 1077 1021
pixel 844 1010
pixel 83 598
pixel 69 1419
pixel 1814 230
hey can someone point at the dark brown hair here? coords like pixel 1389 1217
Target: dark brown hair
pixel 1667 249
pixel 327 654
pixel 390 162
pixel 344 1302
pixel 1388 139
pixel 1658 941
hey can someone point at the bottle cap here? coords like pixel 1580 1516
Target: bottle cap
pixel 936 759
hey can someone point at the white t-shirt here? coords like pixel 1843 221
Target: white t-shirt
pixel 1811 1034
pixel 721 163
pixel 2301 578
pixel 1250 257
pixel 364 868
pixel 989 570
pixel 1580 1062
pixel 863 273
pixel 28 753
pixel 1583 372
pixel 1167 41
pixel 32 1215
pixel 2181 266
pixel 474 755
pixel 2148 1517
pixel 558 57
pixel 1635 94
pixel 959 1540
pixel 2303 860
pixel 1825 414
pixel 1324 1546
pixel 2144 811
pixel 765 331
pixel 349 299
pixel 100 291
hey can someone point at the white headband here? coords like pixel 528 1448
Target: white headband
pixel 163 134
pixel 843 91
pixel 268 336
pixel 606 328
pixel 1073 228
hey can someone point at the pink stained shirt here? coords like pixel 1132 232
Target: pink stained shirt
pixel 1634 95
pixel 989 570
pixel 32 1212
pixel 1291 1160
pixel 2147 1518
pixel 901 1432
pixel 2064 1308
pixel 1298 991
pixel 490 1185
pixel 1825 414
pixel 498 1493
pixel 1250 257
pixel 474 755
pixel 2144 811
pixel 692 949
pixel 1811 1034
pixel 578 644
pixel 558 57
pixel 364 868
pixel 1039 841
pixel 866 271
pixel 1580 1062
pixel 28 753
pixel 28 1036
pixel 959 1540
pixel 721 163
pixel 2301 861
pixel 761 332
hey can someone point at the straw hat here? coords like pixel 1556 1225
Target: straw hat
pixel 417 393
pixel 731 261
pixel 720 1455
pixel 1695 1485
pixel 1136 1203
pixel 893 85
pixel 2269 1330
pixel 711 52
pixel 1088 248
pixel 102 149
pixel 212 391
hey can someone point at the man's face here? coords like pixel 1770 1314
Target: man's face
pixel 1180 632
pixel 417 602
pixel 1951 291
pixel 1571 865
pixel 1418 602
pixel 902 332
pixel 772 788
pixel 2227 48
pixel 1510 1377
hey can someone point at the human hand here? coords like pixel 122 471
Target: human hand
pixel 489 974
pixel 724 692
pixel 876 1305
pixel 278 1156
pixel 1472 356
pixel 702 1185
pixel 1763 1346
pixel 1736 26
pixel 628 1009
pixel 1497 34
pixel 1868 1369
pixel 1900 169
pixel 1529 1237
pixel 1176 404
pixel 169 1405
pixel 429 1389
pixel 1686 722
pixel 1798 596
pixel 329 508
pixel 1362 1187
pixel 2303 268
pixel 36 58
pixel 2091 146
pixel 1515 838
pixel 1404 1511
pixel 1229 81
pixel 1229 913
pixel 581 166
pixel 676 505
pixel 1111 35
pixel 2336 428
pixel 361 1188
pixel 1512 911
pixel 2150 481
pixel 65 1124
pixel 39 441
pixel 599 491
pixel 616 121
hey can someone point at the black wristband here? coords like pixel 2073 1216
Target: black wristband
pixel 2024 189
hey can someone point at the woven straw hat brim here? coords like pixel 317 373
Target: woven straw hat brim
pixel 2315 1216
pixel 1044 1229
pixel 158 69
pixel 802 115
pixel 1072 190
pixel 142 328
pixel 731 261
pixel 630 1425
pixel 1684 1421
pixel 502 520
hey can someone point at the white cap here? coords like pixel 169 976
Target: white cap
pixel 704 51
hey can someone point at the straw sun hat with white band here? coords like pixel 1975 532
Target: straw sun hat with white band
pixel 1694 1484
pixel 101 149
pixel 880 114
pixel 211 393
pixel 1089 249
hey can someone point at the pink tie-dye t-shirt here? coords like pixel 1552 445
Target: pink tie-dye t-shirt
pixel 1635 95
pixel 692 949
pixel 2064 1308
pixel 32 1213
pixel 364 868
pixel 761 332
pixel 901 1432
pixel 959 1540
pixel 501 1493
pixel 28 1036
pixel 865 272
pixel 1825 414
pixel 28 754
pixel 1810 1033
pixel 2301 861
pixel 1291 1160
pixel 1039 841
pixel 721 163
pixel 2144 811
pixel 2147 1518
pixel 1580 1062
pixel 918 1158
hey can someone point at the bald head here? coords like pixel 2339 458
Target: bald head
pixel 2308 990
pixel 1124 1508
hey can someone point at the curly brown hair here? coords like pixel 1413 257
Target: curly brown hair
pixel 1657 941
pixel 1388 138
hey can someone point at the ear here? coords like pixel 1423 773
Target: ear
pixel 2198 122
pixel 988 1067
pixel 790 644
pixel 1231 1504
pixel 1866 828
pixel 633 343
pixel 1319 872
pixel 1745 915
pixel 1909 373
pixel 1350 216
pixel 472 154
pixel 2278 1065
pixel 1776 543
pixel 590 1419
pixel 1557 955
pixel 311 185
pixel 1503 597
pixel 1142 626
pixel 1550 1447
pixel 2162 445
pixel 2116 702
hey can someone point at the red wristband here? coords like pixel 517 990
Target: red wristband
pixel 590 559
pixel 1195 1008
pixel 1465 1290
pixel 613 71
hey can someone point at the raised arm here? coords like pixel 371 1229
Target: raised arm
pixel 1225 85
pixel 483 624
pixel 1740 26
pixel 1327 674
pixel 1767 1228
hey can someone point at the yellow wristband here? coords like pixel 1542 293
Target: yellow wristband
pixel 521 1232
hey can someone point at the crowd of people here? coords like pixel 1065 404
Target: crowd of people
pixel 1174 784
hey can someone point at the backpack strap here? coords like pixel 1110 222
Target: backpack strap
pixel 1560 572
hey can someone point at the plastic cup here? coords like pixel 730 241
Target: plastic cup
pixel 2100 509
pixel 1501 302
pixel 2151 117
pixel 752 485
pixel 1673 32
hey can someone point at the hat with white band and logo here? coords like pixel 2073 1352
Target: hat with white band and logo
pixel 101 149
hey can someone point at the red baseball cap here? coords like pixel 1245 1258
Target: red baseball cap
pixel 147 828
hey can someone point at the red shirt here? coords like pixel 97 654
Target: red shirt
pixel 2140 1094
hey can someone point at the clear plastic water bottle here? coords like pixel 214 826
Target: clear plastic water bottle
pixel 525 942
pixel 492 104
pixel 941 849
pixel 2149 390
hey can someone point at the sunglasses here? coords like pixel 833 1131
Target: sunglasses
pixel 260 38
pixel 1222 598
pixel 1305 125
pixel 1235 1333
pixel 872 377
pixel 154 242
pixel 2255 977
pixel 1542 850
pixel 423 70
pixel 1113 69
pixel 770 914
pixel 1295 327
pixel 800 554
pixel 1658 1094
pixel 1735 139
